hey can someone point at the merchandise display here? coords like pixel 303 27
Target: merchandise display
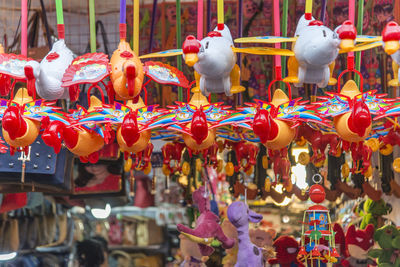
pixel 276 143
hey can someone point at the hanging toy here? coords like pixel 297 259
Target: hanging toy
pixel 391 38
pixel 246 155
pixel 214 62
pixel 49 72
pixel 318 141
pixel 388 238
pixel 82 139
pixel 351 110
pixel 172 151
pixel 315 49
pixel 358 244
pixel 318 229
pixel 240 215
pixel 286 248
pixel 207 225
pixel 132 123
pixel 23 118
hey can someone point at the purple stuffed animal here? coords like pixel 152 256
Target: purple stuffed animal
pixel 207 226
pixel 249 254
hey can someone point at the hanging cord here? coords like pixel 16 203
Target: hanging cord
pixel 99 24
pixel 17 34
pixel 46 25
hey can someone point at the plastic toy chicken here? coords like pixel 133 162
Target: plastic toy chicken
pixel 83 140
pixel 49 72
pixel 391 39
pixel 23 118
pixel 127 72
pixel 132 123
pixel 196 120
pixel 275 123
pixel 315 48
pixel 214 61
pixel 351 111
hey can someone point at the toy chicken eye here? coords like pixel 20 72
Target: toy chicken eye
pixel 201 49
pixel 334 35
pixel 324 33
pixel 207 45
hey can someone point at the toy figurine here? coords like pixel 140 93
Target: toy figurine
pixel 214 62
pixel 207 227
pixel 127 72
pixel 49 72
pixel 359 243
pixel 388 238
pixel 249 254
pixel 286 248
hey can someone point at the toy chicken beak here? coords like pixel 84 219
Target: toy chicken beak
pixel 191 59
pixel 391 47
pixel 347 44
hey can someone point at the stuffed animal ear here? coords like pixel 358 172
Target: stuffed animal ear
pixel 370 229
pixel 351 231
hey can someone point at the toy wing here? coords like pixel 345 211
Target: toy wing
pixel 294 111
pixel 216 112
pixel 107 114
pixel 88 68
pixel 367 38
pixel 263 51
pixel 13 65
pixel 166 53
pixel 266 39
pixel 179 128
pixel 164 134
pixel 376 104
pixel 165 74
pixel 392 110
pixel 362 47
pixel 241 118
pixel 334 105
pixel 146 115
pixel 3 107
pixel 39 109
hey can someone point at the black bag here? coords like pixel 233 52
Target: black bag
pixel 43 167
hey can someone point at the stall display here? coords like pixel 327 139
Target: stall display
pixel 130 175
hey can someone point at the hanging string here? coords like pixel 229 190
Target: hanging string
pixel 122 20
pixel 277 58
pixel 239 55
pixel 179 43
pixel 359 31
pixel 220 14
pixel 153 23
pixel 308 11
pixel 285 12
pixel 200 19
pixel 350 56
pixel 136 26
pixel 323 10
pixel 92 25
pixel 24 27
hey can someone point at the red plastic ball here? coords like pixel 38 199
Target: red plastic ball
pixel 317 193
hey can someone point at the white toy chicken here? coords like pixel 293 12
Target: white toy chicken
pixel 49 72
pixel 214 62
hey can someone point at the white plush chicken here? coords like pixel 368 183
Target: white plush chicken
pixel 49 72
pixel 214 62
